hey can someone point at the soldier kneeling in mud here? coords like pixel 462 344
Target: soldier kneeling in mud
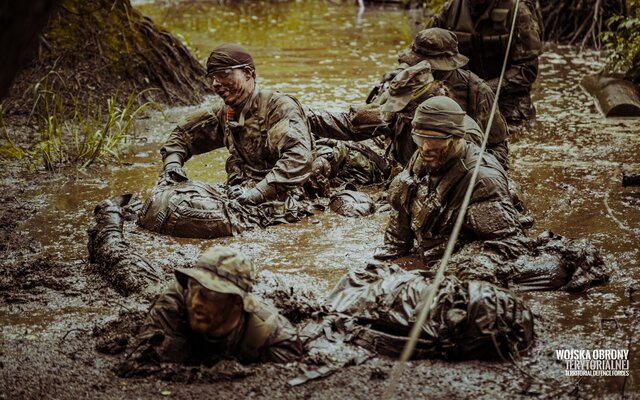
pixel 271 153
pixel 493 245
pixel 428 194
pixel 207 314
pixel 266 133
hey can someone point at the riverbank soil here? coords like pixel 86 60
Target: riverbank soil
pixel 91 51
pixel 63 327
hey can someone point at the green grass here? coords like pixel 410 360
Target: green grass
pixel 81 134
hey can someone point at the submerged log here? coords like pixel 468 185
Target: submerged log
pixel 614 97
pixel 630 179
pixel 97 49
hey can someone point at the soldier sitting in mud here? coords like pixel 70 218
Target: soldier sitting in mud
pixel 266 133
pixel 428 194
pixel 207 314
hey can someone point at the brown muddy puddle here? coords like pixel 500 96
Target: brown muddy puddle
pixel 569 167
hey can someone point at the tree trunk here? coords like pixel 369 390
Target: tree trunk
pixel 101 48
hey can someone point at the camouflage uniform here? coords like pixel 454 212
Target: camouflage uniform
pixel 365 122
pixel 270 145
pixel 483 37
pixel 427 206
pixel 440 48
pixel 262 335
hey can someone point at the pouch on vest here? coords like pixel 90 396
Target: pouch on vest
pixel 189 209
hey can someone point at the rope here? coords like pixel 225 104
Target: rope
pixel 399 368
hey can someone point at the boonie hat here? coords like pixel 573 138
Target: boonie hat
pixel 223 270
pixel 436 45
pixel 407 82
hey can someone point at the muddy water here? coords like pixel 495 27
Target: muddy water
pixel 569 166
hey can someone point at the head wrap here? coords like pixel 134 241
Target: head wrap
pixel 440 114
pixel 228 55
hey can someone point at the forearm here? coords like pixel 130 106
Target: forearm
pixel 398 233
pixel 355 124
pixel 199 133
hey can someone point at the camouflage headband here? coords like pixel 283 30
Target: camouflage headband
pixel 229 55
pixel 440 114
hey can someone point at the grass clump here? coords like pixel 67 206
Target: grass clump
pixel 78 134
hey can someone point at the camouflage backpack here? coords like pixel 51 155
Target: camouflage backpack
pixel 190 209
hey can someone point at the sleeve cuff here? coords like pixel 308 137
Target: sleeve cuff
pixel 268 191
pixel 172 158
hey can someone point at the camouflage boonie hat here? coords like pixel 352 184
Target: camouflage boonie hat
pixel 405 84
pixel 223 270
pixel 436 45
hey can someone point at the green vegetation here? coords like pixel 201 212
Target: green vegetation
pixel 79 135
pixel 623 38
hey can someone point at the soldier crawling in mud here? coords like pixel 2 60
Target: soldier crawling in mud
pixel 433 55
pixel 266 133
pixel 428 194
pixel 208 313
pixel 482 27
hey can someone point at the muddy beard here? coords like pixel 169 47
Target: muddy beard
pixel 444 157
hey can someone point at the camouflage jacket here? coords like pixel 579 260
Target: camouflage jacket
pixel 427 206
pixel 263 335
pixel 273 146
pixel 483 38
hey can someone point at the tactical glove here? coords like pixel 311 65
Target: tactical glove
pixel 243 195
pixel 173 173
pixel 389 251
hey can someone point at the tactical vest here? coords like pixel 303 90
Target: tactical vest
pixel 433 206
pixel 485 41
pixel 255 142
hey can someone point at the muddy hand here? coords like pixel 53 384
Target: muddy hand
pixel 387 252
pixel 245 195
pixel 173 173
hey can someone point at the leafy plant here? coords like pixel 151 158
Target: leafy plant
pixel 9 148
pixel 623 39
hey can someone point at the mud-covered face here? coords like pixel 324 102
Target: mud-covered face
pixel 233 85
pixel 436 148
pixel 211 313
